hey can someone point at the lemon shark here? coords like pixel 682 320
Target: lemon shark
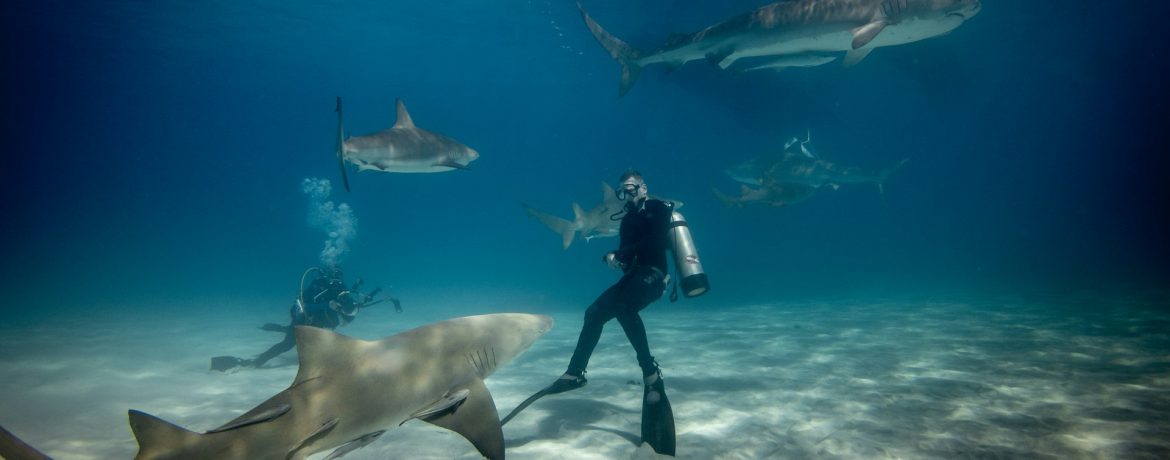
pixel 794 33
pixel 403 148
pixel 348 392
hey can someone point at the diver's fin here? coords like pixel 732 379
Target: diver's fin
pixel 227 363
pixel 657 417
pixel 273 327
pixel 341 146
pixel 527 402
pixel 565 383
pixel 14 448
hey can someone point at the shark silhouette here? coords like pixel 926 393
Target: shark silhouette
pixel 603 220
pixel 403 148
pixel 348 392
pixel 794 33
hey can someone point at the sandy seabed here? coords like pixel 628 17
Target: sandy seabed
pixel 1046 377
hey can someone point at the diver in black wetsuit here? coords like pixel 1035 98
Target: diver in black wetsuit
pixel 325 303
pixel 641 256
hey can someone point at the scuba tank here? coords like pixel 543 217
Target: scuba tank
pixel 686 257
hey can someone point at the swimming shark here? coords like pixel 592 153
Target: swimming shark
pixel 770 193
pixel 593 224
pixel 798 164
pixel 403 148
pixel 347 392
pixel 604 220
pixel 794 33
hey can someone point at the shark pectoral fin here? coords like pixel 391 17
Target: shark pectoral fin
pixel 263 413
pixel 451 164
pixel 852 57
pixel 476 420
pixel 865 34
pixel 355 444
pixel 14 448
pixel 448 403
pixel 158 438
pixel 721 58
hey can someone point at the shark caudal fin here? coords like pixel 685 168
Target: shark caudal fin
pixel 886 173
pixel 341 146
pixel 158 438
pixel 563 227
pixel 625 54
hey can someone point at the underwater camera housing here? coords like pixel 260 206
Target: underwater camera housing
pixel 686 258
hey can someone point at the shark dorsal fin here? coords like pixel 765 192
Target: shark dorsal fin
pixel 578 213
pixel 475 418
pixel 607 193
pixel 320 349
pixel 403 120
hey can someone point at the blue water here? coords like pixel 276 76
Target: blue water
pixel 155 151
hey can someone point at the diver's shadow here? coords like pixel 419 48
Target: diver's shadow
pixel 575 415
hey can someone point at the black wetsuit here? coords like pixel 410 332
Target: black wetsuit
pixel 644 241
pixel 317 313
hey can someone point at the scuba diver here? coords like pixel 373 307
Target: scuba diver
pixel 325 303
pixel 649 227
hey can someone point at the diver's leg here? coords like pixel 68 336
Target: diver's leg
pixel 290 341
pixel 599 312
pixel 641 291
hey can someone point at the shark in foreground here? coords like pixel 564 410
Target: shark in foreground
pixel 348 392
pixel 403 148
pixel 795 33
pixel 604 220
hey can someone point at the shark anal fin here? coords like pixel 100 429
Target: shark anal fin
pixel 260 414
pixel 476 420
pixel 448 403
pixel 355 444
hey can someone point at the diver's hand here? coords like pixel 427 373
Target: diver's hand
pixel 613 262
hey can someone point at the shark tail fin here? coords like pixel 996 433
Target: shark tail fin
pixel 726 200
pixel 341 146
pixel 158 438
pixel 625 54
pixel 886 173
pixel 563 227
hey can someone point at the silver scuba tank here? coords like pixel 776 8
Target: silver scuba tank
pixel 686 257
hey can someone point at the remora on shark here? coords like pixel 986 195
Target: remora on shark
pixel 795 33
pixel 403 148
pixel 348 392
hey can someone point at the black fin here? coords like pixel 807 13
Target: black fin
pixel 525 404
pixel 226 363
pixel 658 421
